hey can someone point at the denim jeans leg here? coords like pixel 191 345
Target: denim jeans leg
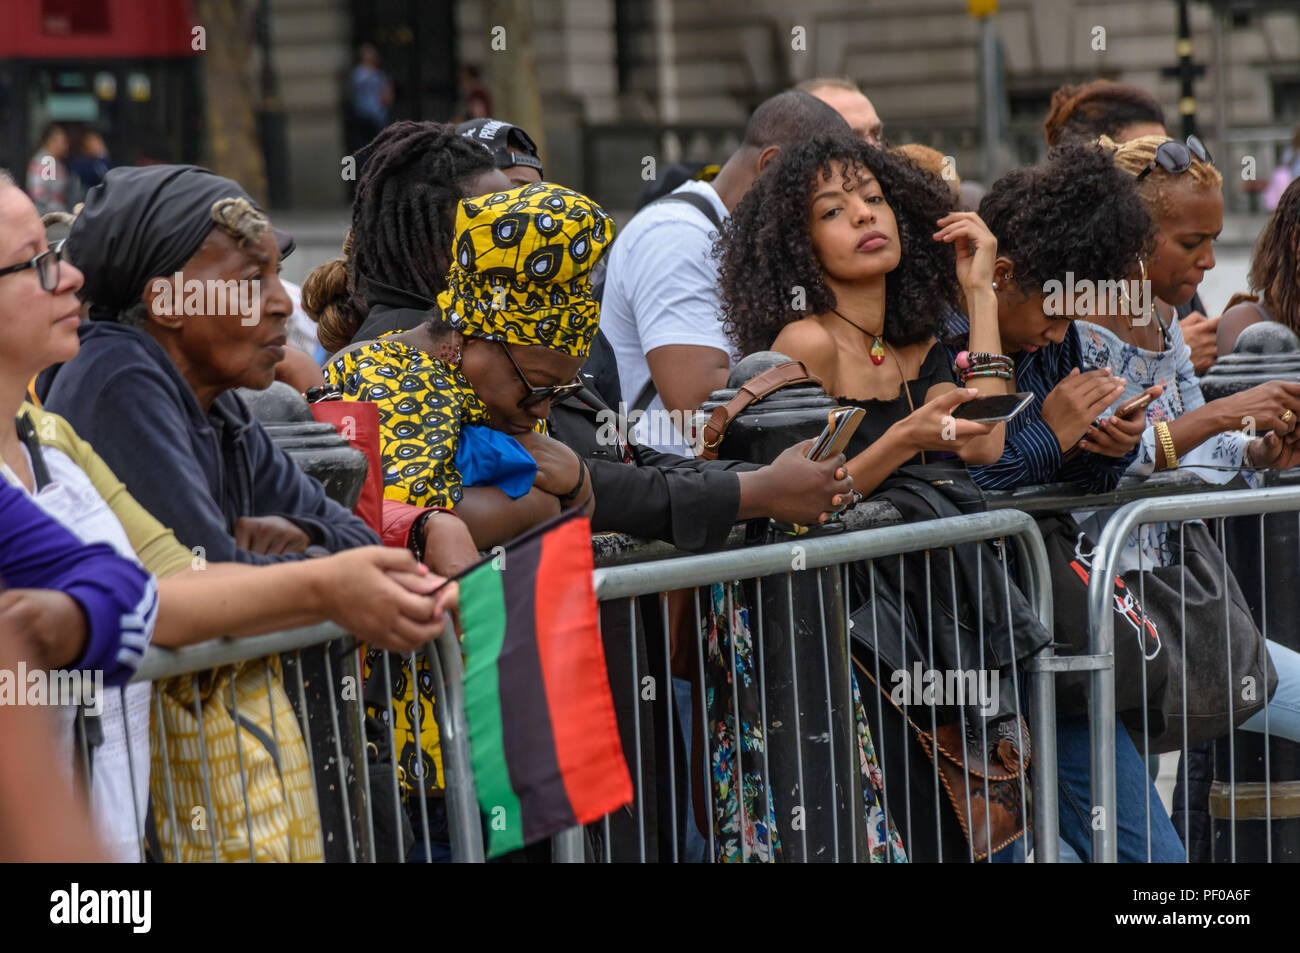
pixel 1284 706
pixel 1134 790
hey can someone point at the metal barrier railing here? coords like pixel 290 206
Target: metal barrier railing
pixel 798 595
pixel 1132 518
pixel 281 692
pixel 807 579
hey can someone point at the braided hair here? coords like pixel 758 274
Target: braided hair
pixel 403 218
pixel 1137 154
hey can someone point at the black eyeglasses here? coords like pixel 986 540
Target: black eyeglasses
pixel 538 394
pixel 46 265
pixel 1176 157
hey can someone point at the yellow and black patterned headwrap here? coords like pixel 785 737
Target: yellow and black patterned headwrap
pixel 522 268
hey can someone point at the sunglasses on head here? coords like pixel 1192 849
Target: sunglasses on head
pixel 1176 157
pixel 536 395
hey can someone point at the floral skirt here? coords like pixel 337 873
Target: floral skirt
pixel 744 820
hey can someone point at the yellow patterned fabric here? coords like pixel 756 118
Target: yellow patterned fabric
pixel 191 816
pixel 522 268
pixel 423 402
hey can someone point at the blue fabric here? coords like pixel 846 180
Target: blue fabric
pixel 1134 791
pixel 1032 454
pixel 487 457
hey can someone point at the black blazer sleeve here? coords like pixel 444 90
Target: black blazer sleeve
pixel 692 505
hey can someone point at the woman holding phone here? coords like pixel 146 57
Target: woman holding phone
pixel 847 257
pixel 1138 342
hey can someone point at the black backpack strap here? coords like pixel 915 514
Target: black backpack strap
pixel 646 395
pixel 27 434
pixel 709 211
pixel 697 201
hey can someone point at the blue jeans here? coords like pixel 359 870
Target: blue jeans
pixel 1284 707
pixel 1134 790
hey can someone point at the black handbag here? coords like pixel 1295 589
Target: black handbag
pixel 1220 655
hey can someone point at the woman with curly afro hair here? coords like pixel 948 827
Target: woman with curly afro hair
pixel 1075 221
pixel 847 257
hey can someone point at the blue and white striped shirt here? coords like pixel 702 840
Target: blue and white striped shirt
pixel 1032 454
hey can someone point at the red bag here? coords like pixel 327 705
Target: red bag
pixel 358 423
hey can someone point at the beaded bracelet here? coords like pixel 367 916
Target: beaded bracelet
pixel 967 360
pixel 985 372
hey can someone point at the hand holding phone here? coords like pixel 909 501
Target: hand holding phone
pixel 1129 409
pixel 993 410
pixel 841 424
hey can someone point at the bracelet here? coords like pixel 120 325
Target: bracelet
pixel 985 372
pixel 1166 442
pixel 968 360
pixel 582 478
pixel 415 538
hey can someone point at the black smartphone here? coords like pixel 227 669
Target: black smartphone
pixel 993 410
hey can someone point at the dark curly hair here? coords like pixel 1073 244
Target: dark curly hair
pixel 766 245
pixel 1076 212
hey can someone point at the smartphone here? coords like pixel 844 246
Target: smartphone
pixel 993 410
pixel 1137 404
pixel 841 424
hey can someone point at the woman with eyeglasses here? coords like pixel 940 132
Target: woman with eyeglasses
pixel 1142 343
pixel 458 400
pixel 380 595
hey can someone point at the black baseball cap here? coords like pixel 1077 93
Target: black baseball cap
pixel 508 144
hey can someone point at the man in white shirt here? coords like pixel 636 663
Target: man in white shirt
pixel 660 308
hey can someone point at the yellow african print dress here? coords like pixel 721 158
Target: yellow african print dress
pixel 423 402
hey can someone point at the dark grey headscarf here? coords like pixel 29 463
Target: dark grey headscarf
pixel 144 222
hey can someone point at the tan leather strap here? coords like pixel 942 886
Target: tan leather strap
pixel 756 388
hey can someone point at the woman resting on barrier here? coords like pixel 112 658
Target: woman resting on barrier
pixel 1086 112
pixel 1074 219
pixel 1274 275
pixel 419 172
pixel 867 240
pixel 1183 192
pixel 379 595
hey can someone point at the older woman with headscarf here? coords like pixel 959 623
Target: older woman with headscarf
pixel 63 514
pixel 181 274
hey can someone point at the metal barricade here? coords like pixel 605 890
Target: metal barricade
pixel 1266 797
pixel 797 766
pixel 306 686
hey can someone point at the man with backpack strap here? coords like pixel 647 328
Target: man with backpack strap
pixel 660 307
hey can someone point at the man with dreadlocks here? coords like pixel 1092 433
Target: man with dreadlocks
pixel 182 277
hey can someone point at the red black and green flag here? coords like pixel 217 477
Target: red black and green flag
pixel 544 743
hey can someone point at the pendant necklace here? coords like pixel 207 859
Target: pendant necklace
pixel 877 351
